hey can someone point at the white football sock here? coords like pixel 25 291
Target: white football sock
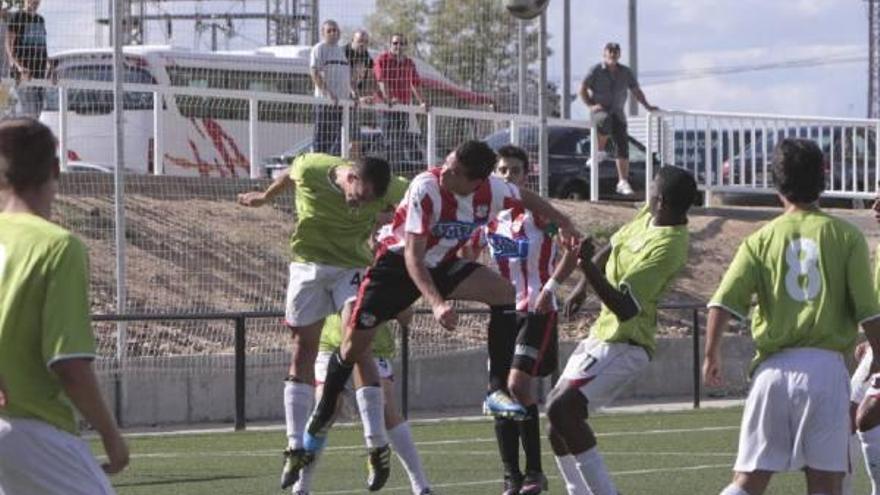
pixel 733 490
pixel 306 474
pixel 571 475
pixel 405 448
pixel 372 408
pixel 299 399
pixel 871 449
pixel 593 469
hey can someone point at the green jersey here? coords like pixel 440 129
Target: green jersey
pixel 812 276
pixel 643 261
pixel 328 231
pixel 44 315
pixel 331 337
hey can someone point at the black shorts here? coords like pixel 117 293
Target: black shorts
pixel 537 344
pixel 613 125
pixel 387 288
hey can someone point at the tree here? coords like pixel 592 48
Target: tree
pixel 407 17
pixel 472 42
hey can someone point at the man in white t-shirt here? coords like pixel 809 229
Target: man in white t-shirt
pixel 331 74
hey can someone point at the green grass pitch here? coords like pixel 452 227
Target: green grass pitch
pixel 648 453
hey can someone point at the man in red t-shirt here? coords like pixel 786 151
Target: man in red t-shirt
pixel 398 81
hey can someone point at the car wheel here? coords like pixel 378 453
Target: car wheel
pixel 574 190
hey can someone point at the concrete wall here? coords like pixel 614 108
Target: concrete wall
pixel 194 394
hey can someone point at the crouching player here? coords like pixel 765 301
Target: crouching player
pixel 397 428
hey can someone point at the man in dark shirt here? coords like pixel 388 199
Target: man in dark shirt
pixel 28 56
pixel 362 83
pixel 604 91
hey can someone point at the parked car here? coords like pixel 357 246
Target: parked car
pixel 372 143
pixel 569 154
pixel 845 156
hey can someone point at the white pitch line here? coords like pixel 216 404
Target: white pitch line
pixel 266 452
pixel 490 482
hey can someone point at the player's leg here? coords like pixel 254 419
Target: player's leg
pixel 400 434
pixel 304 485
pixel 823 482
pixel 486 286
pixel 859 385
pixel 387 290
pixel 868 426
pixel 535 356
pixel 307 304
pixel 594 375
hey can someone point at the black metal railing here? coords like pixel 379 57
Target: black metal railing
pixel 240 358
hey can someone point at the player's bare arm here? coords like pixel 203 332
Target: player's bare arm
pixel 620 303
pixel 566 265
pixel 717 322
pixel 259 198
pixel 414 257
pixel 578 295
pixel 81 386
pixel 568 234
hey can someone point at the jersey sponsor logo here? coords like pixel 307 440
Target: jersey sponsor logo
pixel 460 231
pixel 505 247
pixel 481 211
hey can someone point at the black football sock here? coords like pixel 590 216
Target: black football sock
pixel 530 435
pixel 507 435
pixel 501 342
pixel 338 373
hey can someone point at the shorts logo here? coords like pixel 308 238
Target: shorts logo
pixel 481 211
pixel 505 247
pixel 367 320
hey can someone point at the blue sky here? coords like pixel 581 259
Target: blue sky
pixel 674 35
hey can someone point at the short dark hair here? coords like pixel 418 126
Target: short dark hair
pixel 375 171
pixel 677 187
pixel 27 154
pixel 799 170
pixel 612 46
pixel 515 152
pixel 477 158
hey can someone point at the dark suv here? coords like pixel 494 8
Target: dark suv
pixel 569 152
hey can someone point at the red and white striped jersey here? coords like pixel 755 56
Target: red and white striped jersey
pixel 448 220
pixel 524 252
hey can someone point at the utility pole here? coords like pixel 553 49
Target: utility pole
pixel 873 59
pixel 566 59
pixel 633 51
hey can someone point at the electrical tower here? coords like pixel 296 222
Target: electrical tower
pixel 287 22
pixel 873 59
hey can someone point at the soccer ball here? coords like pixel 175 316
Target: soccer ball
pixel 526 9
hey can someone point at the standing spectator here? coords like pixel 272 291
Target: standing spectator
pixel 604 91
pixel 46 340
pixel 332 77
pixel 362 83
pixel 27 56
pixel 398 81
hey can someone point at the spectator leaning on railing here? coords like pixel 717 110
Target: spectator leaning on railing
pixel 398 82
pixel 362 83
pixel 27 56
pixel 331 75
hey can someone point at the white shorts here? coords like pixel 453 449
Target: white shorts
pixel 36 457
pixel 315 291
pixel 861 379
pixel 796 414
pixel 601 369
pixel 386 372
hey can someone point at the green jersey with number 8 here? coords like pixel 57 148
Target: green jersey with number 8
pixel 812 277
